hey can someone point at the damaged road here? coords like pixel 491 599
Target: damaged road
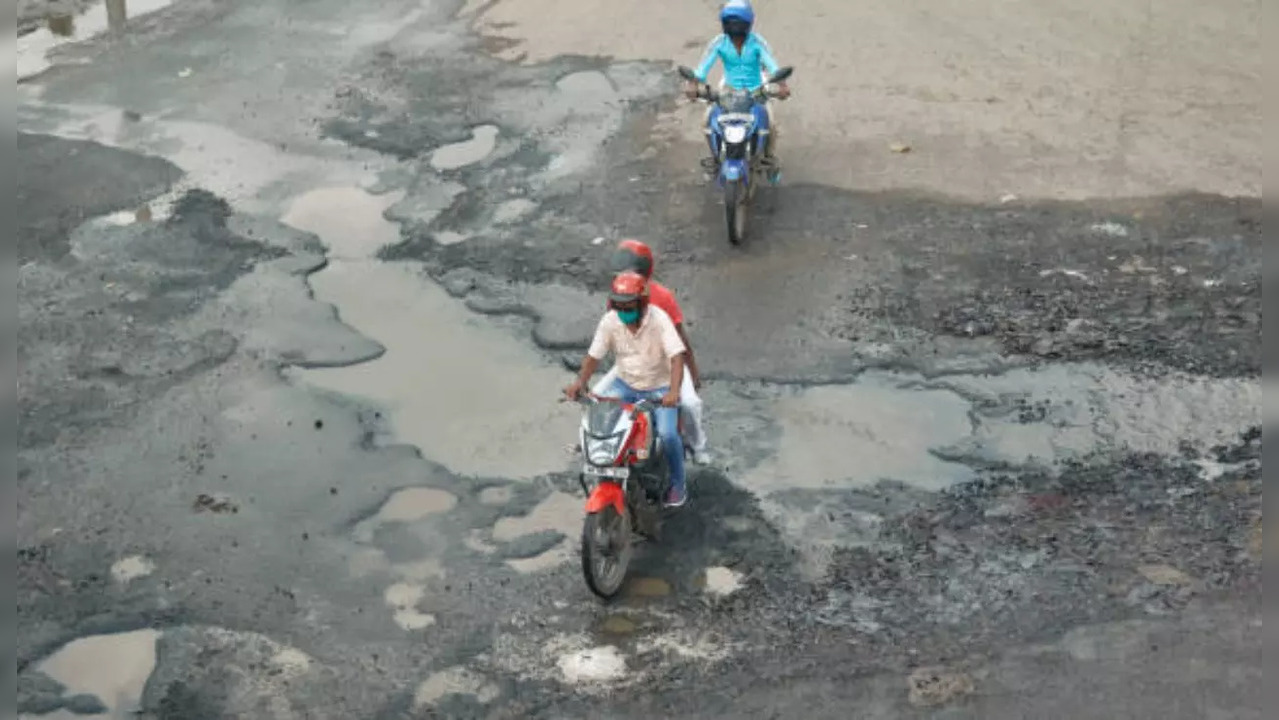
pixel 298 284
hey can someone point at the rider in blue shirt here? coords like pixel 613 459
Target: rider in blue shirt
pixel 745 56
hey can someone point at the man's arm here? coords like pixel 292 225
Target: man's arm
pixel 675 349
pixel 677 377
pixel 600 345
pixel 708 58
pixel 766 56
pixel 690 361
pixel 589 365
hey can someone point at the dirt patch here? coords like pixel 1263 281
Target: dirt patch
pixel 214 504
pixel 933 686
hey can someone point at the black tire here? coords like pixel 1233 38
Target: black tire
pixel 605 575
pixel 735 211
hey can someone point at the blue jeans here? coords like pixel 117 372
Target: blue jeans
pixel 667 425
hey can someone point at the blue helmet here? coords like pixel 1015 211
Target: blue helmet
pixel 737 17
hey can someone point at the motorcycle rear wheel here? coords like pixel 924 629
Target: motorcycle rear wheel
pixel 606 551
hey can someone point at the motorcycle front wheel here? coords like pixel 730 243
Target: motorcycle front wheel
pixel 735 211
pixel 606 551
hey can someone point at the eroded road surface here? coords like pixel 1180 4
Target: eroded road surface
pixel 298 283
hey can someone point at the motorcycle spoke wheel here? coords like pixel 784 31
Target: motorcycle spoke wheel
pixel 606 551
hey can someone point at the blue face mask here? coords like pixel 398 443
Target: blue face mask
pixel 629 316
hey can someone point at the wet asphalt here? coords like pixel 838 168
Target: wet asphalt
pixel 986 458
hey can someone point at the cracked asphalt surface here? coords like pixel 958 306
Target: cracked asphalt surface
pixel 298 283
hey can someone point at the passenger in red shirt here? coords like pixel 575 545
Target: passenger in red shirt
pixel 636 256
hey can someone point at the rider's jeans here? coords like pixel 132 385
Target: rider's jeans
pixel 667 424
pixel 690 403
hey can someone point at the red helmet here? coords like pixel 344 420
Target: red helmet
pixel 635 256
pixel 628 286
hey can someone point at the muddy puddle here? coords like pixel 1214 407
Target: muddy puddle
pixel 930 435
pixel 403 599
pixel 1061 411
pixel 454 681
pixel 131 568
pixel 897 427
pixel 350 221
pixel 32 49
pixel 856 435
pixel 414 504
pixel 558 512
pixel 113 668
pixel 458 155
pixel 255 177
pixel 471 396
pixel 721 581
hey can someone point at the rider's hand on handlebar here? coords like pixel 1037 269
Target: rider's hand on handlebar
pixel 574 390
pixel 690 90
pixel 671 398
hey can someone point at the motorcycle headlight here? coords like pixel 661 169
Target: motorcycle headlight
pixel 602 452
pixel 735 133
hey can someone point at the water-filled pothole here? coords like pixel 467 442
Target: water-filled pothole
pixel 451 157
pixel 350 221
pixel 114 668
pixel 33 48
pixel 468 394
pixel 834 442
pixel 559 513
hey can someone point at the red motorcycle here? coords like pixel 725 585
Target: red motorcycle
pixel 625 476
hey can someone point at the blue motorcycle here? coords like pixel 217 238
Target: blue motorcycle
pixel 737 121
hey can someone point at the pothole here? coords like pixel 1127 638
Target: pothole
pixel 647 588
pixel 1062 411
pixel 403 599
pixel 512 210
pixel 721 581
pixel 454 681
pixel 592 665
pixel 558 512
pixel 496 495
pixel 856 435
pixel 618 625
pixel 131 568
pixel 450 237
pixel 469 395
pixel 689 645
pixel 451 157
pixel 350 221
pixel 895 427
pixel 416 503
pixel 114 668
pixel 32 49
pixel 930 435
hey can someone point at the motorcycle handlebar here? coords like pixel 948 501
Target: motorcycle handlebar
pixel 711 95
pixel 589 398
pixel 706 92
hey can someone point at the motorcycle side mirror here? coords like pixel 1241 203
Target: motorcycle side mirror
pixel 782 74
pixel 686 73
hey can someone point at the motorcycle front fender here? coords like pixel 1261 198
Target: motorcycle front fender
pixel 606 493
pixel 734 170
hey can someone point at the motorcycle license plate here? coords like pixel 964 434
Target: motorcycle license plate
pixel 617 473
